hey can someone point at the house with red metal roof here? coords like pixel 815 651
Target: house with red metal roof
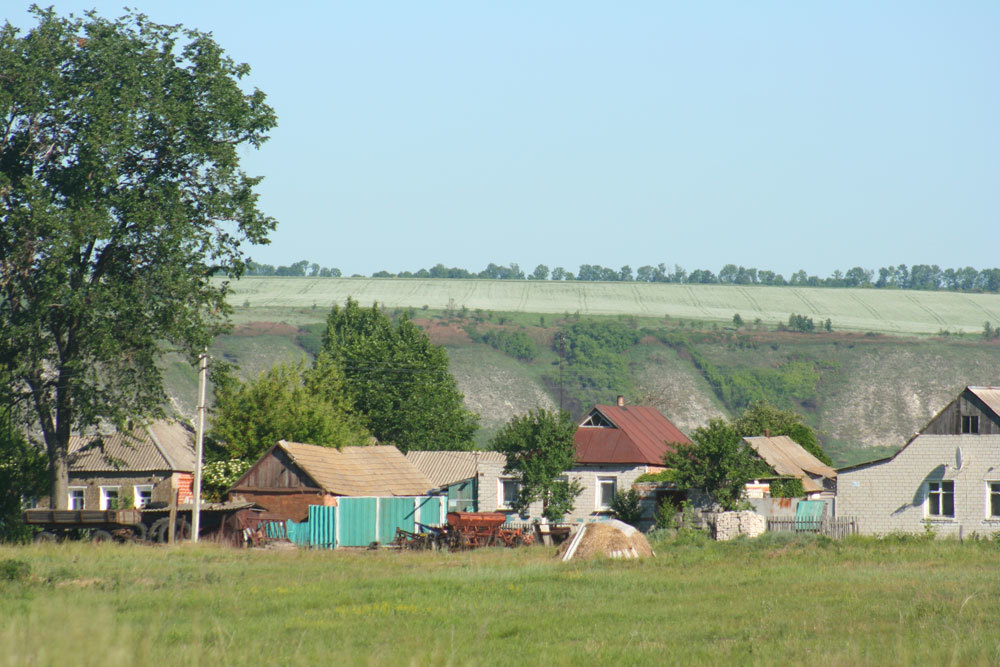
pixel 615 444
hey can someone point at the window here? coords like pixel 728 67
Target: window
pixel 994 502
pixel 970 423
pixel 606 487
pixel 143 494
pixel 109 497
pixel 508 493
pixel 76 501
pixel 941 499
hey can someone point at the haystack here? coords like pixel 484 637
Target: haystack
pixel 611 539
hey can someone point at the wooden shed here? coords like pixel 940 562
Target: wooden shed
pixel 291 476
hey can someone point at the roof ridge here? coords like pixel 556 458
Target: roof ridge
pixel 159 447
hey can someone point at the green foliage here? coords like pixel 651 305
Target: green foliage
pixel 718 462
pixel 800 323
pixel 287 402
pixel 787 487
pixel 595 367
pixel 515 344
pixel 397 380
pixel 740 388
pixel 665 515
pixel 539 448
pixel 626 506
pixel 13 569
pixel 737 321
pixel 22 475
pixel 761 417
pixel 122 196
pixel 661 476
pixel 218 476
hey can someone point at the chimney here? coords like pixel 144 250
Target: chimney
pixel 621 401
pixel 767 433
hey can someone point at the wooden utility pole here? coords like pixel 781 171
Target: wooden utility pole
pixel 202 381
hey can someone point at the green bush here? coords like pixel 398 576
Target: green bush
pixel 515 344
pixel 627 507
pixel 12 569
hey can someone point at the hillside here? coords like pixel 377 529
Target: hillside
pixel 865 393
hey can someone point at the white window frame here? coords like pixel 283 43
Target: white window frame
pixel 104 496
pixel 501 497
pixel 990 516
pixel 83 497
pixel 599 487
pixel 135 494
pixel 941 492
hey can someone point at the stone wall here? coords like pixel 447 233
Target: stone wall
pixel 730 525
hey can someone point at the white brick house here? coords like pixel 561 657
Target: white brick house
pixel 946 478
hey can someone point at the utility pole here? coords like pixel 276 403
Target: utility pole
pixel 202 381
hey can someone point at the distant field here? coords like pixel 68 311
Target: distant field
pixel 762 601
pixel 885 311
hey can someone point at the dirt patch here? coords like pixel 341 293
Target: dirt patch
pixel 265 329
pixel 442 332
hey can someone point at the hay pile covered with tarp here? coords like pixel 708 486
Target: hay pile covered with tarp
pixel 610 539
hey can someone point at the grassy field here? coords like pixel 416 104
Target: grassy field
pixel 763 601
pixel 888 311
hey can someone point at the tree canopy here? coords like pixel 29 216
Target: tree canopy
pixel 539 449
pixel 720 463
pixel 397 380
pixel 122 196
pixel 287 402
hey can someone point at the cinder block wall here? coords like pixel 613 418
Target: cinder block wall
pixel 889 496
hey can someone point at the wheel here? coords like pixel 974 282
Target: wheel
pixel 101 536
pixel 158 531
pixel 139 532
pixel 46 536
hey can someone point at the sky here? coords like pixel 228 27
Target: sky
pixel 780 135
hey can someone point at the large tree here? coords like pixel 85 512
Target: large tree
pixel 397 380
pixel 286 402
pixel 122 196
pixel 539 449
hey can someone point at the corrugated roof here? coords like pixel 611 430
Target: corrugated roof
pixel 448 467
pixel 789 459
pixel 988 395
pixel 378 470
pixel 641 436
pixel 161 446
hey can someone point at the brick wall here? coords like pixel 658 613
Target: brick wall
pixel 890 496
pixel 281 506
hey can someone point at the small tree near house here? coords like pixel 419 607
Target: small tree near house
pixel 539 449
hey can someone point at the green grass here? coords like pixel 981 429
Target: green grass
pixel 892 311
pixel 766 601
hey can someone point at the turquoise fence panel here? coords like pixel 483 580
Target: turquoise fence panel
pixel 322 524
pixel 809 514
pixel 297 533
pixel 357 521
pixel 462 496
pixel 275 530
pixel 394 513
pixel 429 513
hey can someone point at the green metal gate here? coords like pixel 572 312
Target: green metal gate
pixel 357 522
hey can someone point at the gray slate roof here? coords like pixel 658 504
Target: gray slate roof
pixel 164 446
pixel 447 467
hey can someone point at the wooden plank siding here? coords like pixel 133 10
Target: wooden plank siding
pixel 949 420
pixel 276 471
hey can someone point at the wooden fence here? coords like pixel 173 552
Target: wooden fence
pixel 835 527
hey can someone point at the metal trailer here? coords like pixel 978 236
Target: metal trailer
pixel 220 522
pixel 466 530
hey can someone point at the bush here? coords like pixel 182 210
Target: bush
pixel 626 506
pixel 516 344
pixel 14 570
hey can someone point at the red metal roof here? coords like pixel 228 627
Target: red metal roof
pixel 641 436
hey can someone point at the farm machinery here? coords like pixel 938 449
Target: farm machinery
pixel 465 530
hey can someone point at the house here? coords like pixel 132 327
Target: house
pixel 291 476
pixel 946 478
pixel 786 459
pixel 471 479
pixel 149 465
pixel 615 444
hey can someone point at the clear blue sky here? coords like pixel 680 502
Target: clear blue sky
pixel 782 135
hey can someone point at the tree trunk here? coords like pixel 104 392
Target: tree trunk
pixel 59 478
